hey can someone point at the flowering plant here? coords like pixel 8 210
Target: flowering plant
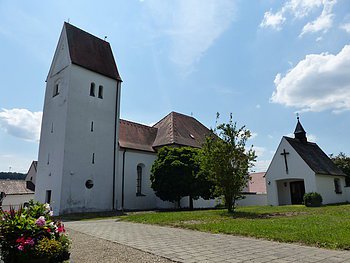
pixel 31 233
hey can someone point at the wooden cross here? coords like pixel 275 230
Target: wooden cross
pixel 285 159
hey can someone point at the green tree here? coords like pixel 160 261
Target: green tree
pixel 343 162
pixel 225 158
pixel 176 174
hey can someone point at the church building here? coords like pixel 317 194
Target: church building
pixel 89 159
pixel 299 167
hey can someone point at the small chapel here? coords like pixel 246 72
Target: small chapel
pixel 300 167
pixel 90 159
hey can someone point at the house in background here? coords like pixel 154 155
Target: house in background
pixel 15 192
pixel 299 167
pixel 31 176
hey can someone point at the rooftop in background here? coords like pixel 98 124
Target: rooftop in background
pixel 91 52
pixel 14 187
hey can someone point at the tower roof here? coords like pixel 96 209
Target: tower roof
pixel 91 52
pixel 299 132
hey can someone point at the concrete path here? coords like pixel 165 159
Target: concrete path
pixel 188 246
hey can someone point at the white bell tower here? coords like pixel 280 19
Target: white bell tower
pixel 78 144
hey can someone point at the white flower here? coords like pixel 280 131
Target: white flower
pixel 47 207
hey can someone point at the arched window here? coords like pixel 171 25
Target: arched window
pixel 100 92
pixel 92 89
pixel 139 180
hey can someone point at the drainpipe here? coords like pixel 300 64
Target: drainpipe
pixel 115 145
pixel 123 172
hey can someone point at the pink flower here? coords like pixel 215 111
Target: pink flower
pixel 20 247
pixel 29 241
pixel 40 221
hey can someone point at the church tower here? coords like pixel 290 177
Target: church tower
pixel 79 133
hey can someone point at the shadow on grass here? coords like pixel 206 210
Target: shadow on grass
pixel 252 215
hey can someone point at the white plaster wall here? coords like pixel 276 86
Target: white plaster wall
pixel 199 203
pixel 51 147
pixel 31 175
pixel 131 201
pixel 70 146
pixel 16 200
pixel 298 169
pixel 253 200
pixel 80 143
pixel 347 193
pixel 325 187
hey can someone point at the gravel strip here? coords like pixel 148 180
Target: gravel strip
pixel 86 248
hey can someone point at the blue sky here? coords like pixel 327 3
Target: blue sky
pixel 261 60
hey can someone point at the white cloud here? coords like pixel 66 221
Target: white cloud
pixel 258 106
pixel 273 20
pixel 323 22
pixel 298 9
pixel 21 123
pixel 318 82
pixel 253 135
pixel 346 27
pixel 192 26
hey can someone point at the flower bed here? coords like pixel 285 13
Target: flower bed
pixel 30 234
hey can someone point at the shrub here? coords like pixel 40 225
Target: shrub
pixel 31 233
pixel 312 199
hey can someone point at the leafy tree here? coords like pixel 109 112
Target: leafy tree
pixel 227 161
pixel 176 174
pixel 343 162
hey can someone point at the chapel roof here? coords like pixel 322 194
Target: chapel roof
pixel 314 157
pixel 91 52
pixel 173 129
pixel 12 187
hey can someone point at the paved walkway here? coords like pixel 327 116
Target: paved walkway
pixel 188 246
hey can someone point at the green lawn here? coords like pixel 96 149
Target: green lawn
pixel 327 226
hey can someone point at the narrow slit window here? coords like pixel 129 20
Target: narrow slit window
pixel 92 89
pixel 92 126
pixel 56 90
pixel 51 127
pixel 93 158
pixel 100 92
pixel 48 196
pixel 48 158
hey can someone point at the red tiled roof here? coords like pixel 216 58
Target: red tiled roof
pixel 11 187
pixel 257 184
pixel 180 129
pixel 173 129
pixel 91 52
pixel 136 136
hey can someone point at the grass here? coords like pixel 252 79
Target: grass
pixel 327 226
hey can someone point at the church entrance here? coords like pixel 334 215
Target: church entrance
pixel 297 191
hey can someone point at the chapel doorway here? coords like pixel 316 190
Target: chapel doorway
pixel 297 191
